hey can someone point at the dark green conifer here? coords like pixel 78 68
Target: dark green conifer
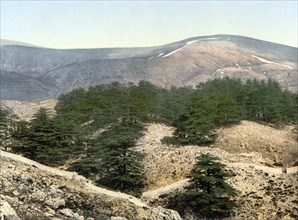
pixel 208 195
pixel 120 167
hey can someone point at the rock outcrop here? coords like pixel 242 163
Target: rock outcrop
pixel 30 190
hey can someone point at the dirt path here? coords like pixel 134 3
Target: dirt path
pixel 271 170
pixel 154 194
pixel 73 176
pixel 166 190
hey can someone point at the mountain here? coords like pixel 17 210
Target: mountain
pixel 31 73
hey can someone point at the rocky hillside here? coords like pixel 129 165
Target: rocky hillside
pixel 278 146
pixel 30 73
pixel 30 190
pixel 26 110
pixel 256 153
pixel 166 164
pixel 265 191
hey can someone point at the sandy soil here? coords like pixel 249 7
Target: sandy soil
pixel 26 110
pixel 276 145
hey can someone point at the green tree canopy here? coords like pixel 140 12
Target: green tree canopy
pixel 120 112
pixel 45 139
pixel 120 167
pixel 5 129
pixel 208 194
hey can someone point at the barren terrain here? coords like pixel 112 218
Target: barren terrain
pixel 26 110
pixel 265 146
pixel 265 191
pixel 276 145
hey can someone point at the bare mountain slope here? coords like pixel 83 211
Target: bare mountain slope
pixel 186 62
pixel 20 86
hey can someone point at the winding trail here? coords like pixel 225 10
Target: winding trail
pixel 271 170
pixel 155 194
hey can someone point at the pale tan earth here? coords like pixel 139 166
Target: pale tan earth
pixel 265 191
pixel 72 176
pixel 276 145
pixel 264 145
pixel 207 57
pixel 26 110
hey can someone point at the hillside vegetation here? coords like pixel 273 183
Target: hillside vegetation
pixel 95 130
pixel 102 133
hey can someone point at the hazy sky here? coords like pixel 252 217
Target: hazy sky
pixel 85 24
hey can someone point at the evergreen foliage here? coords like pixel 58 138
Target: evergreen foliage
pixel 205 113
pixel 224 102
pixel 44 139
pixel 266 102
pixel 208 195
pixel 5 129
pixel 120 166
pixel 111 160
pixel 120 112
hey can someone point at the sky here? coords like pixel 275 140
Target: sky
pixel 97 24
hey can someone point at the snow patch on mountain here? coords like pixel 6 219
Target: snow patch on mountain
pixel 159 55
pixel 268 61
pixel 187 44
pixel 213 74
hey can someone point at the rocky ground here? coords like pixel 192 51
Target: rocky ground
pixel 265 191
pixel 276 145
pixel 26 110
pixel 262 194
pixel 30 190
pixel 165 164
pixel 265 194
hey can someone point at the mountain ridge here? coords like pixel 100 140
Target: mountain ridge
pixel 5 42
pixel 183 63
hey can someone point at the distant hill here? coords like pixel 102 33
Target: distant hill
pixel 4 42
pixel 30 73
